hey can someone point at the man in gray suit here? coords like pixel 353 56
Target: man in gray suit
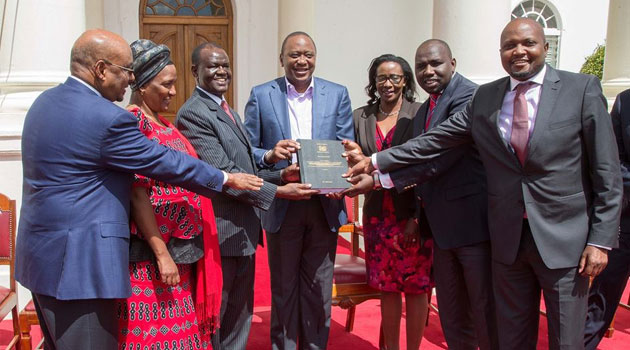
pixel 554 185
pixel 217 134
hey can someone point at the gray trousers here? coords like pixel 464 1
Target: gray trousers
pixel 237 302
pixel 301 262
pixel 77 324
pixel 517 290
pixel 463 282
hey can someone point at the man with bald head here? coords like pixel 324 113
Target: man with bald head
pixel 554 187
pixel 79 154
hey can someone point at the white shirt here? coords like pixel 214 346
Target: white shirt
pixel 300 106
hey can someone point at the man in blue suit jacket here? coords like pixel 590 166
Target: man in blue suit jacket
pixel 79 154
pixel 301 235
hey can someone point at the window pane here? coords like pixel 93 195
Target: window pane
pixel 161 9
pixel 185 11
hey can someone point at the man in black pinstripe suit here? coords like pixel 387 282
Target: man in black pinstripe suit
pixel 216 132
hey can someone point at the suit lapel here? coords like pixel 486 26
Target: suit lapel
pixel 223 117
pixel 496 103
pixel 319 108
pixel 278 96
pixel 369 126
pixel 548 97
pixel 421 120
pixel 403 122
pixel 440 112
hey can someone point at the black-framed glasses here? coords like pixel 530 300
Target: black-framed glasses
pixel 394 78
pixel 125 69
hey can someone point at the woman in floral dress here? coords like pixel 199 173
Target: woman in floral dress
pixel 398 259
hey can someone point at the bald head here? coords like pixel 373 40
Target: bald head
pixel 97 44
pixel 523 48
pixel 103 60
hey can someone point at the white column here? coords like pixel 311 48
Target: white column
pixel 473 29
pixel 37 36
pixel 616 67
pixel 294 15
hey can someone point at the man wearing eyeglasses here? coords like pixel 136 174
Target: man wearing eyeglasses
pixel 301 235
pixel 79 154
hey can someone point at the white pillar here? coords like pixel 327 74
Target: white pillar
pixel 473 29
pixel 294 15
pixel 616 67
pixel 37 36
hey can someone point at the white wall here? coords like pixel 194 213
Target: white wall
pixel 583 27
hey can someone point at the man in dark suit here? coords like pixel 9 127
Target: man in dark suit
pixel 607 288
pixel 79 153
pixel 454 199
pixel 301 235
pixel 216 132
pixel 554 189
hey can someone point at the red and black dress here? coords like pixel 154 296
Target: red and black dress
pixel 159 316
pixel 390 266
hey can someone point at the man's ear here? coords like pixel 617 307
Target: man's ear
pixel 281 60
pixel 99 70
pixel 193 70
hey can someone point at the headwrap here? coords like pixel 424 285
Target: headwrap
pixel 148 60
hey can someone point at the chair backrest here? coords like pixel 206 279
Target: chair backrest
pixel 352 209
pixel 7 234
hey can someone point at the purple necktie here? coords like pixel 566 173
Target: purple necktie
pixel 520 122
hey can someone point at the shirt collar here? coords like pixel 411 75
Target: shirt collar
pixel 86 84
pixel 537 79
pixel 292 93
pixel 215 98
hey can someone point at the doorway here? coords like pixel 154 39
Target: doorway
pixel 182 25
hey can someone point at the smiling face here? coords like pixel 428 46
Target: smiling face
pixel 213 73
pixel 298 59
pixel 434 67
pixel 523 48
pixel 160 90
pixel 390 81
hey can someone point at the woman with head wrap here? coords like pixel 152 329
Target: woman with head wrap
pixel 174 260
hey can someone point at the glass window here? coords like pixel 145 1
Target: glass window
pixel 543 13
pixel 185 8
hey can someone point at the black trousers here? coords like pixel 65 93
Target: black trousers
pixel 77 324
pixel 463 280
pixel 605 293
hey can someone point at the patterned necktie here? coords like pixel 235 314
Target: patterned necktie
pixel 520 122
pixel 226 108
pixel 433 98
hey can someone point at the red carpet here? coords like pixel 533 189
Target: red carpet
pixel 367 322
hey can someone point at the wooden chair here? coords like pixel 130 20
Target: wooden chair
pixel 350 286
pixel 611 328
pixel 8 296
pixel 28 318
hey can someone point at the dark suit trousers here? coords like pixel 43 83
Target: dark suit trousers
pixel 517 292
pixel 237 302
pixel 77 324
pixel 463 280
pixel 301 261
pixel 606 291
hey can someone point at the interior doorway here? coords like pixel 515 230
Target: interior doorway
pixel 182 25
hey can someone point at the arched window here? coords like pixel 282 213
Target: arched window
pixel 185 8
pixel 545 14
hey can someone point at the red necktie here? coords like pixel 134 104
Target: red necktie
pixel 432 103
pixel 226 108
pixel 520 122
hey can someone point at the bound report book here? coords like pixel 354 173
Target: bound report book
pixel 321 165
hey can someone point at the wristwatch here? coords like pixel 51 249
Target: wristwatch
pixel 377 181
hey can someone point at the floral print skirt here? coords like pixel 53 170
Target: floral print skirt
pixel 390 266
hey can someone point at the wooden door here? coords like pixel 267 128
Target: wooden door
pixel 182 25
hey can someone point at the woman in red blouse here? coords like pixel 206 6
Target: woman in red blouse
pixel 174 255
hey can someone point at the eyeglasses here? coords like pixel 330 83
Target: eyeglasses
pixel 394 78
pixel 126 69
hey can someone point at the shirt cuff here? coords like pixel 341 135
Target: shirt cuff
pixel 386 180
pixel 599 246
pixel 225 177
pixel 263 159
pixel 373 157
